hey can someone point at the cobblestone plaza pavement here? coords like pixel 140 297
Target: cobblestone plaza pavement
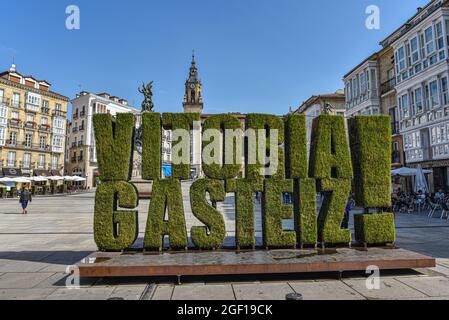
pixel 35 250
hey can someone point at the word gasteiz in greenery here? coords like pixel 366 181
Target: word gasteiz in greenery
pixel 270 152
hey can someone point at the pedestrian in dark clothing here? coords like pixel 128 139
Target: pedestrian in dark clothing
pixel 25 198
pixel 345 224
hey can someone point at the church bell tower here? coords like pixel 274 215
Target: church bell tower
pixel 193 99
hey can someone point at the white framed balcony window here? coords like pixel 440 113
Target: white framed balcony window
pixel 418 100
pixel 16 99
pixel 404 106
pixel 429 41
pixel 444 91
pixel 28 140
pixel 433 94
pixel 54 162
pixel 414 50
pixel 400 58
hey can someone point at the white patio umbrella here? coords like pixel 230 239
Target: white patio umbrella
pixel 55 178
pixel 20 180
pixel 79 179
pixel 5 179
pixel 39 179
pixel 69 178
pixel 420 181
pixel 407 172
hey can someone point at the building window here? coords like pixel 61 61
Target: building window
pixel 433 92
pixel 44 120
pixel 418 100
pixel 428 37
pixel 28 140
pixel 42 142
pixel 26 160
pixel 11 159
pixel 41 161
pixel 54 162
pixel 16 99
pixel 444 91
pixel 2 136
pixel 404 106
pixel 400 58
pixel 30 118
pixel 414 50
pixel 13 138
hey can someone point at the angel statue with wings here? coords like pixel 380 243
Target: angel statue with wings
pixel 147 91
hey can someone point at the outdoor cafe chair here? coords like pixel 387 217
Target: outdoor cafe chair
pixel 433 207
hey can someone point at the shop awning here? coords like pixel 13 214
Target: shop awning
pixel 11 172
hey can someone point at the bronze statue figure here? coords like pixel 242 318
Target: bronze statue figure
pixel 147 91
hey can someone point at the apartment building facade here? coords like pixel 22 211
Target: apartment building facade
pixel 81 155
pixel 421 49
pixel 32 126
pixel 316 105
pixel 370 90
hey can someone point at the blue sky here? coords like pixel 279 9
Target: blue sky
pixel 253 55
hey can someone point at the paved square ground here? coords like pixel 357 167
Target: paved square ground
pixel 36 250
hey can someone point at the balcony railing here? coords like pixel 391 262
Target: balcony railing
pixel 32 107
pixel 75 130
pixel 75 116
pixel 23 145
pixel 11 163
pixel 73 159
pixel 27 165
pixel 14 123
pixel 59 113
pixel 82 113
pixel 44 128
pixel 80 158
pixel 387 86
pixel 30 125
pixel 81 143
pixel 81 128
pixel 74 144
pixel 45 110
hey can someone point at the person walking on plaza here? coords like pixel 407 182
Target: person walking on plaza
pixel 25 198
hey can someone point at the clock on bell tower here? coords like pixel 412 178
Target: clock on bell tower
pixel 193 99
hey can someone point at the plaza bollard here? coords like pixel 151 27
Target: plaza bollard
pixel 294 296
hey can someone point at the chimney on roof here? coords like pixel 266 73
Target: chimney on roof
pixel 419 9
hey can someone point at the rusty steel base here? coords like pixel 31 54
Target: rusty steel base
pixel 102 264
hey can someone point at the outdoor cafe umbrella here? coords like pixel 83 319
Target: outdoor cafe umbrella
pixel 5 179
pixel 407 172
pixel 79 179
pixel 420 181
pixel 39 179
pixel 56 178
pixel 20 180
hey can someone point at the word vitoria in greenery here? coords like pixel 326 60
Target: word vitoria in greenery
pixel 336 164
